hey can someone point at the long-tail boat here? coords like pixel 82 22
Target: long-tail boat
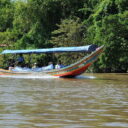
pixel 69 71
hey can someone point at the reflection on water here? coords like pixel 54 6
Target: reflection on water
pixel 89 101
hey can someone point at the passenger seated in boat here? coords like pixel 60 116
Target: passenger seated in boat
pixel 59 65
pixel 11 63
pixel 49 67
pixel 17 67
pixel 20 59
pixel 35 68
pixel 34 65
pixel 11 67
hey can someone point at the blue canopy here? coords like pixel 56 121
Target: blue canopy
pixel 88 48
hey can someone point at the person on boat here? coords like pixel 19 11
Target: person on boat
pixel 11 64
pixel 16 68
pixel 59 65
pixel 34 65
pixel 20 59
pixel 35 68
pixel 11 67
pixel 49 67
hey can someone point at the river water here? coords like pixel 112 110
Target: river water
pixel 88 101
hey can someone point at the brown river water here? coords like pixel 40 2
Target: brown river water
pixel 88 101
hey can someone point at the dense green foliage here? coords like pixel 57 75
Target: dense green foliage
pixel 27 24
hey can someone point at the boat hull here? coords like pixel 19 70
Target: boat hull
pixel 69 71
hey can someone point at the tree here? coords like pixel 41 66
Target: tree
pixel 107 26
pixel 6 18
pixel 69 33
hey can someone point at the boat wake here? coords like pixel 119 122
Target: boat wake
pixel 85 77
pixel 29 76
